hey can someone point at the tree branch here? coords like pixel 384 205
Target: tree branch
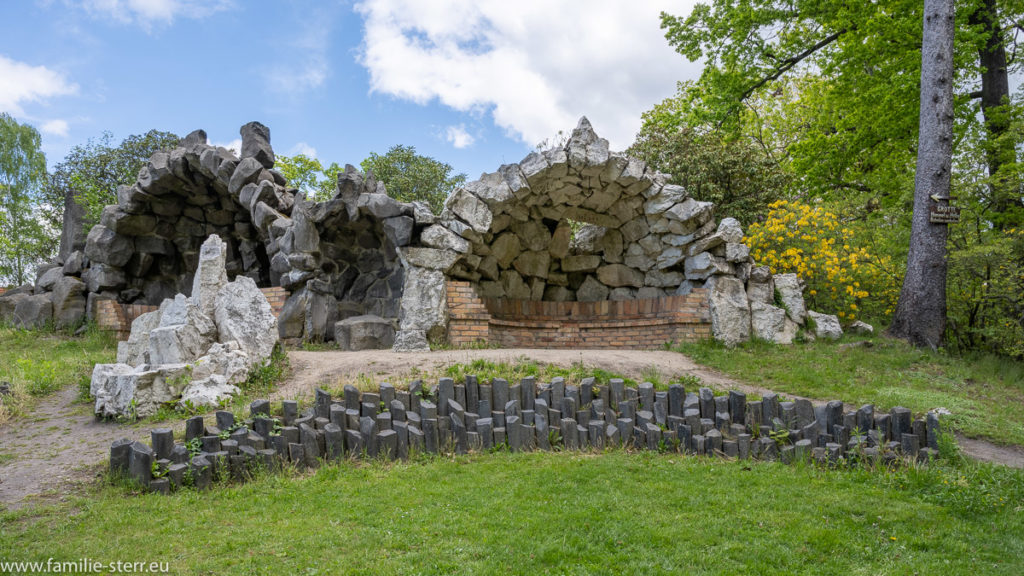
pixel 789 63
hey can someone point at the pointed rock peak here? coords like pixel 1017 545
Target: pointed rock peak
pixel 195 138
pixel 583 134
pixel 256 143
pixel 211 274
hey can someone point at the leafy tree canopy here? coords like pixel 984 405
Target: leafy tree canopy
pixel 93 171
pixel 309 176
pixel 409 176
pixel 841 80
pixel 25 239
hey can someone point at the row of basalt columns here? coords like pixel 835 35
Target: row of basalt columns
pixel 393 424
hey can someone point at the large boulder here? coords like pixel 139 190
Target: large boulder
pixel 424 305
pixel 730 311
pixel 108 247
pixel 770 323
pixel 209 391
pixel 825 325
pixel 46 280
pixel 366 332
pixel 243 315
pixel 8 304
pixel 184 333
pixel 226 360
pixel 121 390
pixel 68 302
pixel 33 312
pixel 135 350
pixel 291 321
pixel 791 290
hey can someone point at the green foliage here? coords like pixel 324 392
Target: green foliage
pixel 523 367
pixel 409 176
pixel 831 93
pixel 317 182
pixel 733 172
pixel 93 171
pixel 425 517
pixel 38 362
pixel 263 378
pixel 25 240
pixel 984 393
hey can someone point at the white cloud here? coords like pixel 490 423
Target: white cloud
pixel 302 148
pixel 147 13
pixel 234 145
pixel 55 127
pixel 303 62
pixel 536 66
pixel 22 83
pixel 458 136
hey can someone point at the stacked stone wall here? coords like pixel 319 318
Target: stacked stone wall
pixel 475 416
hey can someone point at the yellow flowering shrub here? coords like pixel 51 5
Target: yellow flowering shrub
pixel 842 276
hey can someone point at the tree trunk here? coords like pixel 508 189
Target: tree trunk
pixel 921 311
pixel 995 92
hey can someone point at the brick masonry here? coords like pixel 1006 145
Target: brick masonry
pixel 635 324
pixel 118 318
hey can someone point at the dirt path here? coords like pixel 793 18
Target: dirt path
pixel 63 445
pixel 60 446
pixel 310 369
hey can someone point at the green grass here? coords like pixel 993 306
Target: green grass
pixel 523 367
pixel 984 393
pixel 544 513
pixel 39 362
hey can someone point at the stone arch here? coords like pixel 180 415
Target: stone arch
pixel 580 223
pixel 146 247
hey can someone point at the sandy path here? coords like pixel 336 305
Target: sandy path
pixel 63 445
pixel 59 446
pixel 310 369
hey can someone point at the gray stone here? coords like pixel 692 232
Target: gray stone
pixel 855 327
pixel 120 453
pixel 105 246
pixel 825 325
pixel 592 290
pixel 366 332
pixel 163 441
pixel 68 301
pixel 730 311
pixel 470 209
pixel 768 322
pixel 140 463
pixel 31 312
pixel 790 289
pixel 256 144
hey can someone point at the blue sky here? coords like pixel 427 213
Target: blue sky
pixel 475 84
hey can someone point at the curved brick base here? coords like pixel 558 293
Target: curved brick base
pixel 629 324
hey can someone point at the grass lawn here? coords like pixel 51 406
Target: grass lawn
pixel 553 513
pixel 37 363
pixel 984 393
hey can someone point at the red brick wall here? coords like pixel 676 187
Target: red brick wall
pixel 119 317
pixel 630 324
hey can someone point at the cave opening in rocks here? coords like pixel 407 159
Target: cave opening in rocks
pixel 363 269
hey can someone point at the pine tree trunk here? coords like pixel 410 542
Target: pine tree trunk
pixel 921 311
pixel 995 93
